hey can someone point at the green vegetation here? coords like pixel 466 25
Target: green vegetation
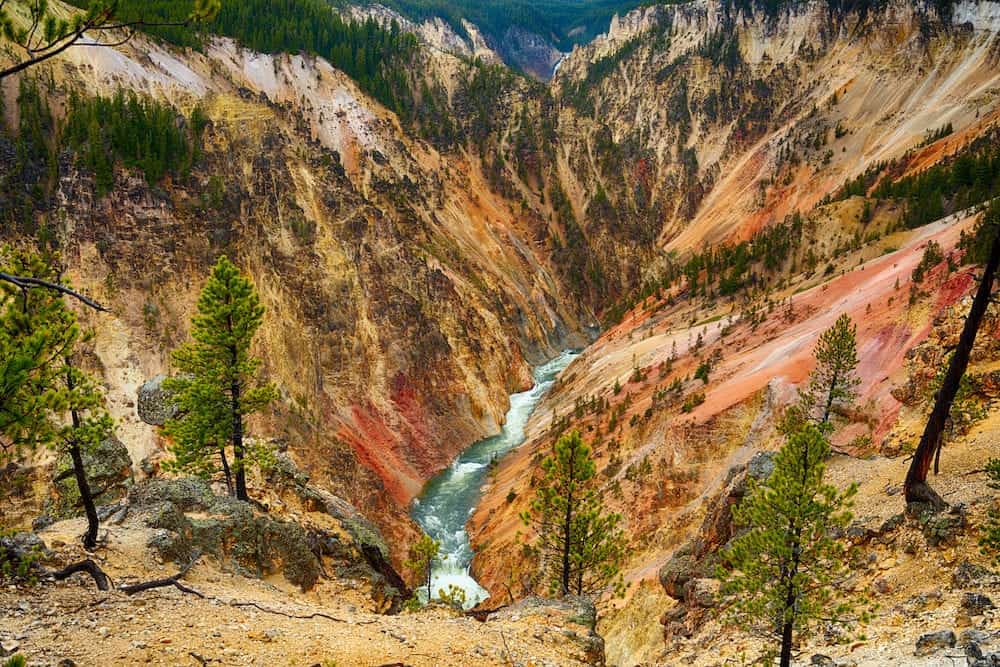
pixel 421 561
pixel 568 22
pixel 45 400
pixel 125 129
pixel 933 255
pixel 833 383
pixel 780 574
pixel 18 565
pixel 377 58
pixel 970 177
pixel 142 134
pixel 218 382
pixel 579 546
pixel 27 182
pixel 989 542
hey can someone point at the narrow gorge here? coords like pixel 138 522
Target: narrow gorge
pixel 495 242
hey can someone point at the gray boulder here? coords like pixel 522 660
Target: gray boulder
pixel 248 543
pixel 976 604
pixel 109 475
pixel 933 642
pixel 155 406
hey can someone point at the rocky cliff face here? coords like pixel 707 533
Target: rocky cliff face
pixel 411 274
pixel 404 299
pixel 693 125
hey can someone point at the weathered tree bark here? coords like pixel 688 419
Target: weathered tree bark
pixel 567 534
pixel 132 589
pixel 238 453
pixel 916 488
pixel 93 522
pixel 80 472
pixel 226 471
pixel 88 566
pixel 25 283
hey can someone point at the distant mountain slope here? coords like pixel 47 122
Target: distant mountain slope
pixel 529 35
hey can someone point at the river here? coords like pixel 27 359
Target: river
pixel 449 499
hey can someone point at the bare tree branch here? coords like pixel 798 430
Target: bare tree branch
pixel 90 567
pixel 24 284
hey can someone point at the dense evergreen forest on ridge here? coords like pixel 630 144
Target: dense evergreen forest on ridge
pixel 377 59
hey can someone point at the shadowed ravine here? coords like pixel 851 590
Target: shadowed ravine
pixel 448 500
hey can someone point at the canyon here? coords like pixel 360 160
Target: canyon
pixel 413 277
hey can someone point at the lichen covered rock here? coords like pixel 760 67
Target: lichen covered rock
pixel 155 406
pixel 109 475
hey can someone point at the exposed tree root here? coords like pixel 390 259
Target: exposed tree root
pixel 90 567
pixel 132 589
pixel 286 615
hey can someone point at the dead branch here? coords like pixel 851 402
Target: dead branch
pixel 132 589
pixel 90 567
pixel 482 615
pixel 303 617
pixel 25 283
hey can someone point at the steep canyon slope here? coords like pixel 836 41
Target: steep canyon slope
pixel 691 129
pixel 404 300
pixel 414 268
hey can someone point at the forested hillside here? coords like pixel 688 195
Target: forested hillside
pixel 322 322
pixel 565 22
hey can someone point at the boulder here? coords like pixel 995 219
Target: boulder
pixel 248 543
pixel 109 475
pixel 718 528
pixel 976 604
pixel 972 636
pixel 19 553
pixel 187 493
pixel 969 575
pixel 678 571
pixel 576 615
pixel 933 642
pixel 701 593
pixel 155 406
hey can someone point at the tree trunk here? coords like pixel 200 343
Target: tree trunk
pixel 915 487
pixel 829 400
pixel 429 580
pixel 226 471
pixel 80 472
pixel 238 453
pixel 93 523
pixel 567 532
pixel 786 645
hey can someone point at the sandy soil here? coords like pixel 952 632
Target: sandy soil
pixel 72 620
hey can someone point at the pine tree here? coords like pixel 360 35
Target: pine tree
pixel 581 548
pixel 40 387
pixel 37 332
pixel 833 382
pixel 989 541
pixel 89 425
pixel 782 571
pixel 421 561
pixel 218 381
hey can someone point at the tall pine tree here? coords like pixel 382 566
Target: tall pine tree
pixel 218 382
pixel 581 548
pixel 45 400
pixel 783 569
pixel 833 382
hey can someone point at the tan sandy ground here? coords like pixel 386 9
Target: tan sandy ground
pixel 73 620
